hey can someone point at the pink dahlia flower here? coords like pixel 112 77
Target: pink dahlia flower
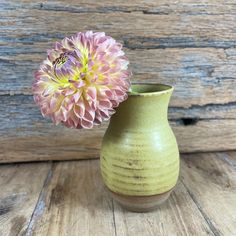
pixel 83 78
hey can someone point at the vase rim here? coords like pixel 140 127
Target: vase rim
pixel 147 89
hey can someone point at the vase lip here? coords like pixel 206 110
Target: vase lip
pixel 149 89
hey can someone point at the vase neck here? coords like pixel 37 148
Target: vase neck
pixel 142 112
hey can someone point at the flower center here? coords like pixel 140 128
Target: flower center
pixel 71 68
pixel 60 60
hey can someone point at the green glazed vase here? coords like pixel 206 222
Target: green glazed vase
pixel 139 156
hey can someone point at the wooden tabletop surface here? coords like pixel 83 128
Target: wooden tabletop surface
pixel 69 198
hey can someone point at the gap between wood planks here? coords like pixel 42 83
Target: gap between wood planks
pixel 207 219
pixel 40 204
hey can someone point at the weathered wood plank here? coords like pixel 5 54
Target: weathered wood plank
pixel 24 131
pixel 203 71
pixel 59 143
pixel 149 7
pixel 211 181
pixel 73 200
pixel 205 135
pixel 174 30
pixel 20 189
pixel 178 216
pixel 187 44
pixel 200 76
pixel 74 203
pixel 20 116
pixel 22 124
pixel 26 136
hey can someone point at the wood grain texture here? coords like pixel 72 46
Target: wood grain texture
pixel 20 188
pixel 177 216
pixel 187 24
pixel 211 181
pixel 75 202
pixel 200 76
pixel 30 27
pixel 188 44
pixel 24 131
pixel 26 136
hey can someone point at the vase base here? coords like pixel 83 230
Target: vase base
pixel 140 203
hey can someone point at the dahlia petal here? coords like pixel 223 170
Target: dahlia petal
pixel 109 94
pixel 98 118
pixel 68 103
pixel 92 93
pixel 76 96
pixel 53 54
pixel 53 103
pixel 47 91
pixel 79 84
pixel 75 120
pixel 115 103
pixel 58 46
pixel 69 123
pixel 86 124
pixel 89 116
pixel 97 121
pixel 111 112
pixel 66 43
pixel 105 104
pixel 104 113
pixel 79 109
pixel 119 92
pixel 68 91
pixel 103 81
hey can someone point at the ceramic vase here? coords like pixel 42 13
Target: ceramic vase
pixel 139 156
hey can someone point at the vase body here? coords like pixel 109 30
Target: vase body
pixel 139 156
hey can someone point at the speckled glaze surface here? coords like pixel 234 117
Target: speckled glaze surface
pixel 139 154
